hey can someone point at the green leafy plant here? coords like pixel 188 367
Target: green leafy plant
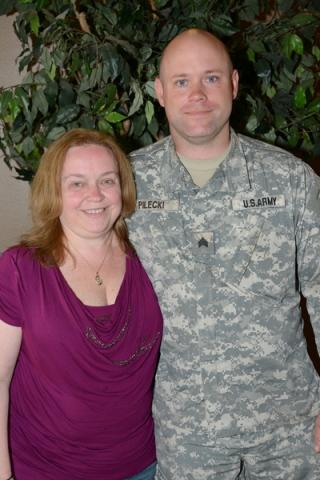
pixel 92 64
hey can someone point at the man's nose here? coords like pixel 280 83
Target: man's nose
pixel 198 91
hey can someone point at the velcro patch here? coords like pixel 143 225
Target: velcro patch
pixel 267 201
pixel 158 205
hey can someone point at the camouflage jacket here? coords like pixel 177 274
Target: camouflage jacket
pixel 228 262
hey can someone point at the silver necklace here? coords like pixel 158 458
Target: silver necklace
pixel 98 278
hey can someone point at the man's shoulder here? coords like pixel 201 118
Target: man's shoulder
pixel 152 150
pixel 275 163
pixel 266 152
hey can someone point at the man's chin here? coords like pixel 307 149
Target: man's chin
pixel 201 137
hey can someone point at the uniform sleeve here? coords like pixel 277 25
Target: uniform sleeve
pixel 10 289
pixel 308 245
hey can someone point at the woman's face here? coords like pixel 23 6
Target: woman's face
pixel 90 191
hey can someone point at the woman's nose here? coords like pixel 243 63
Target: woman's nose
pixel 95 191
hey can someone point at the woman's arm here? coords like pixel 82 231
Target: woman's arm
pixel 10 341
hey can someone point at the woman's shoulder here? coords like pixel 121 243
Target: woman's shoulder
pixel 18 255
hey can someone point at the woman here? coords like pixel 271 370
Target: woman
pixel 80 325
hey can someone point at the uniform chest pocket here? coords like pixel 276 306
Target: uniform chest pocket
pixel 264 260
pixel 159 238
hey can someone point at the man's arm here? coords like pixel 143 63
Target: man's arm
pixel 317 435
pixel 308 254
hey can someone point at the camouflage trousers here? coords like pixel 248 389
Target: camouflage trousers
pixel 283 453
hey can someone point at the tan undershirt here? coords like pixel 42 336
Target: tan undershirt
pixel 202 170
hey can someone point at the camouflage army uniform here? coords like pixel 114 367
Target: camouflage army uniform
pixel 228 261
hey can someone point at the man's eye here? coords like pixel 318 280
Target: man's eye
pixel 182 82
pixel 212 78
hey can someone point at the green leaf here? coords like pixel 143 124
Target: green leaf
pixel 256 45
pixel 291 42
pixel 110 16
pixel 104 126
pixel 84 99
pixel 27 145
pixel 110 93
pixel 55 132
pixel 41 77
pixel 251 55
pixel 95 76
pixel 314 106
pixel 306 139
pixel 297 44
pixel 293 137
pixel 5 98
pixel 300 71
pixel 46 59
pixel 149 88
pixel 161 3
pixel 153 127
pixel 139 125
pixel 271 91
pixel 67 94
pixel 263 68
pixel 280 121
pixel 14 107
pixel 40 101
pixel 35 24
pixel 252 123
pixel 149 111
pixel 270 136
pixel 52 72
pixel 138 98
pixel 300 98
pixel 302 19
pixel 222 24
pixel 84 84
pixel 316 52
pixel 112 107
pixel 68 113
pixel 86 121
pixel 284 5
pixel 145 52
pixel 51 92
pixel 7 6
pixel 115 117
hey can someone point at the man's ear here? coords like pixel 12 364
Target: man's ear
pixel 235 83
pixel 159 90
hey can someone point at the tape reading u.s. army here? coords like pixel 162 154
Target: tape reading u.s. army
pixel 158 205
pixel 267 201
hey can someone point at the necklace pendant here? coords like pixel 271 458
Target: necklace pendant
pixel 98 279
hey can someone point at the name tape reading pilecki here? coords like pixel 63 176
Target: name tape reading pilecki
pixel 158 205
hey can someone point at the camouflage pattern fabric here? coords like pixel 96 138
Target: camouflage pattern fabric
pixel 228 262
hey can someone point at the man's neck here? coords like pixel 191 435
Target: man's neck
pixel 202 150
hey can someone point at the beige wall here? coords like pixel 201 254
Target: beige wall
pixel 14 216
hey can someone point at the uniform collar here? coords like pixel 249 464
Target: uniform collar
pixel 235 166
pixel 231 176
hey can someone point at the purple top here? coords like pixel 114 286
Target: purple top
pixel 81 392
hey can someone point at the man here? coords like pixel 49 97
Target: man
pixel 229 230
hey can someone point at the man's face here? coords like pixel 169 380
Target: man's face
pixel 197 85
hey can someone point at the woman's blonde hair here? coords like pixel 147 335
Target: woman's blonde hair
pixel 46 235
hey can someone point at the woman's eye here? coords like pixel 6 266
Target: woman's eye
pixel 108 181
pixel 76 184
